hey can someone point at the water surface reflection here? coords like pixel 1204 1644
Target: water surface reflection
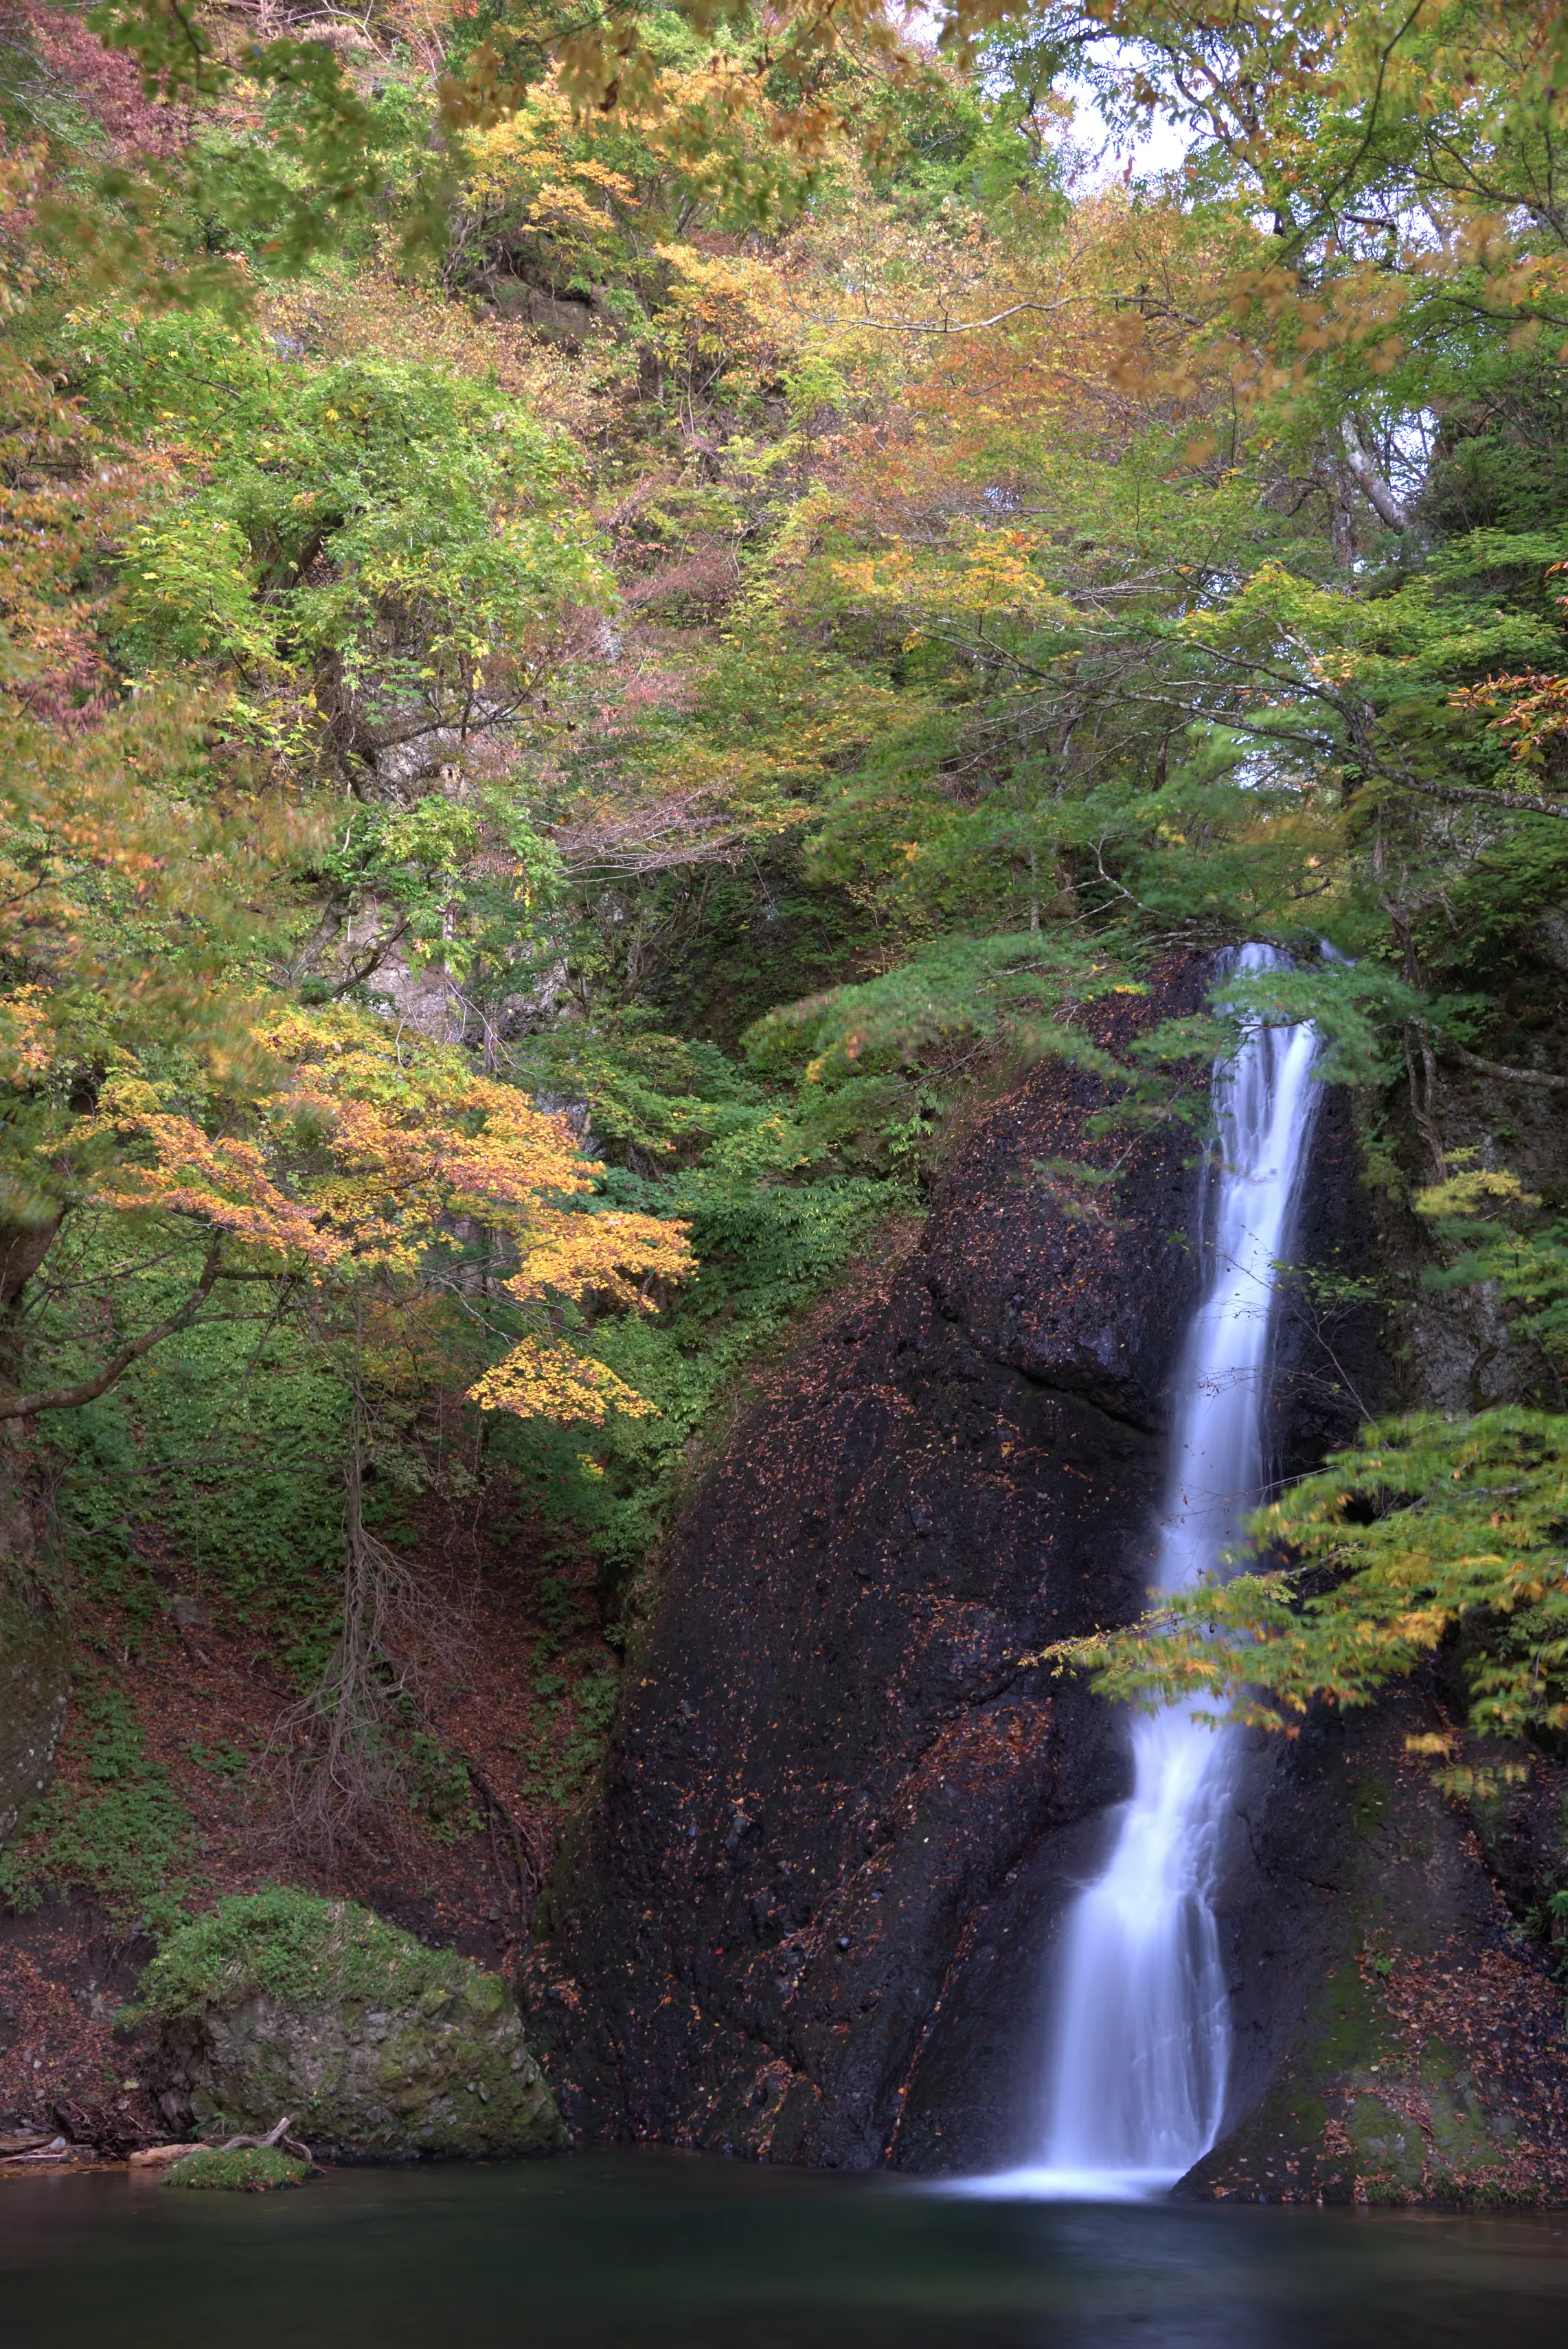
pixel 657 2253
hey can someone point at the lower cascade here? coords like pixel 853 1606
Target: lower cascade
pixel 1140 2045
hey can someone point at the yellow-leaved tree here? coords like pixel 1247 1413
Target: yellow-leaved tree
pixel 415 1216
pixel 364 1177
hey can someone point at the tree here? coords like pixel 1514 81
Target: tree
pixel 914 593
pixel 420 1222
pixel 1425 1530
pixel 353 1184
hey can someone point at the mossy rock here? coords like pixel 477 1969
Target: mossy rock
pixel 376 2047
pixel 249 2169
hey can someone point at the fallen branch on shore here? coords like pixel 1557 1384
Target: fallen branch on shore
pixel 160 2156
pixel 276 2136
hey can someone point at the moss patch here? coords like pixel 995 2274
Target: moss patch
pixel 289 1946
pixel 249 2169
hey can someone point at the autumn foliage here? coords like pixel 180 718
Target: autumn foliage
pixel 734 575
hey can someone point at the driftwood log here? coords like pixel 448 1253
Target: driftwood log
pixel 158 2157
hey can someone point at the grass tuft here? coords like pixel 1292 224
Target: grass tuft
pixel 249 2169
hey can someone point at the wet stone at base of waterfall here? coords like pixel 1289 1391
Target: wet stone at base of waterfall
pixel 1429 2064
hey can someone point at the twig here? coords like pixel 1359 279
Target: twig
pixel 529 1873
pixel 277 2136
pixel 952 326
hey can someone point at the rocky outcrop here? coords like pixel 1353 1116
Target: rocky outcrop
pixel 841 1809
pixel 1399 2022
pixel 377 2047
pixel 570 317
pixel 812 1915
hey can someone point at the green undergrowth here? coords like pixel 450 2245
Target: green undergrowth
pixel 776 1204
pixel 248 2170
pixel 123 1835
pixel 562 1755
pixel 224 1451
pixel 297 1949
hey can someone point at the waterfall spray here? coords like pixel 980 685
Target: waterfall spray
pixel 1141 2042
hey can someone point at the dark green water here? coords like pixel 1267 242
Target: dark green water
pixel 662 2253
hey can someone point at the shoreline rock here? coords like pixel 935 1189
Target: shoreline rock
pixel 381 2049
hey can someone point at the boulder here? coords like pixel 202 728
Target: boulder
pixel 279 2002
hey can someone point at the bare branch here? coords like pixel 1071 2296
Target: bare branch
pixel 1376 490
pixel 372 962
pixel 69 1398
pixel 1511 1076
pixel 952 326
pixel 1528 804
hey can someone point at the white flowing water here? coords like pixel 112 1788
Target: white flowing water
pixel 1140 2042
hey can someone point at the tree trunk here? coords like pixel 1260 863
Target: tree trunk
pixel 23 1247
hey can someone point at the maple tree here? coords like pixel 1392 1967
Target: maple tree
pixel 364 1161
pixel 1423 1530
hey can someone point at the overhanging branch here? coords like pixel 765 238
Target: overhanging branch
pixel 89 1390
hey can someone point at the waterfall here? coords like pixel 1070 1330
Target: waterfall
pixel 1140 2041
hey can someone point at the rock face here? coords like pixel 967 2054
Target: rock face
pixel 843 1814
pixel 279 2002
pixel 1400 2029
pixel 813 1916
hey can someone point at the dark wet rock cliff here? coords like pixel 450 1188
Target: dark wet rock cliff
pixel 1398 1978
pixel 812 1916
pixel 1401 2033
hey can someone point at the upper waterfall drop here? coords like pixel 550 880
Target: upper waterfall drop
pixel 1140 2046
